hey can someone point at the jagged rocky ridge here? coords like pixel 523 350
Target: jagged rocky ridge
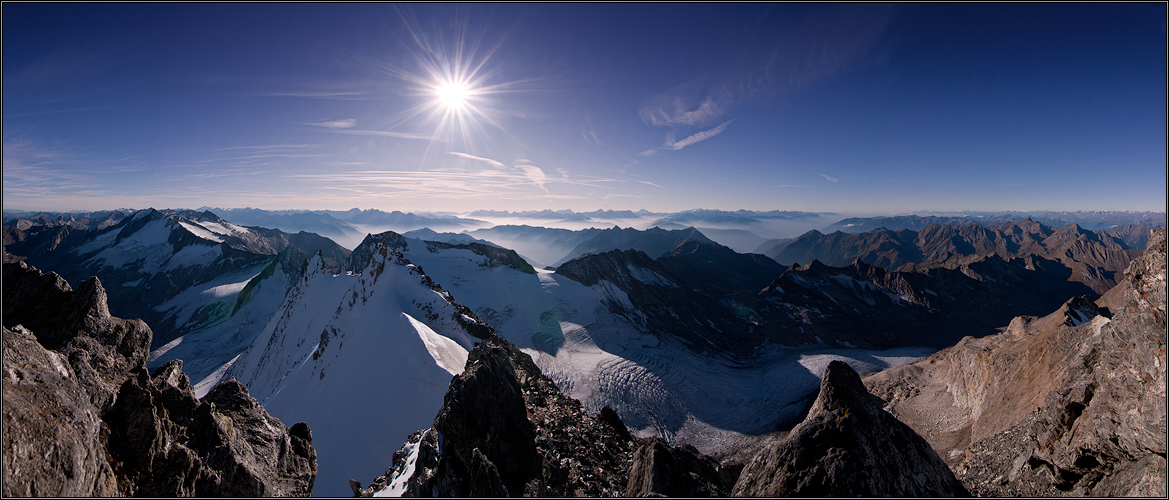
pixel 83 417
pixel 1072 403
pixel 506 430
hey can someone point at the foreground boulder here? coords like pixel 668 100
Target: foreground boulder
pixel 83 417
pixel 506 430
pixel 1072 403
pixel 848 446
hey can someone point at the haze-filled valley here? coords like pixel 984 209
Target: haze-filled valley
pixel 685 339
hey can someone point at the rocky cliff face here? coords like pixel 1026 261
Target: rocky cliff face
pixel 506 430
pixel 848 446
pixel 1070 403
pixel 83 417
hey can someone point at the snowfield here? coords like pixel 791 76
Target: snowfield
pixel 208 348
pixel 365 359
pixel 657 385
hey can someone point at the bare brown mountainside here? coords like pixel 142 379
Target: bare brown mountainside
pixel 1096 258
pixel 1069 403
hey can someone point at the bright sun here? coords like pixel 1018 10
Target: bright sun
pixel 453 94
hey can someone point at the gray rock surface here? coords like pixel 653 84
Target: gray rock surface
pixel 85 418
pixel 54 438
pixel 77 324
pixel 848 446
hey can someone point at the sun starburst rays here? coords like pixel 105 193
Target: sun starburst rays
pixel 456 85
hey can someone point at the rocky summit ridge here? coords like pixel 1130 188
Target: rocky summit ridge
pixel 83 417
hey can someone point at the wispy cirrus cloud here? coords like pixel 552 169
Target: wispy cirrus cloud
pixel 346 123
pixel 331 95
pixel 673 145
pixel 675 108
pixel 825 176
pixel 272 147
pixel 590 135
pixel 534 174
pixel 383 133
pixel 823 43
pixel 696 138
pixel 489 161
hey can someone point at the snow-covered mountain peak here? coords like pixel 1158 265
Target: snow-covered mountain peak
pixel 381 335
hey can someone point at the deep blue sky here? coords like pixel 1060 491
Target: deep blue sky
pixel 819 107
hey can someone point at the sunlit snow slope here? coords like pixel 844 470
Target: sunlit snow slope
pixel 174 273
pixel 248 304
pixel 364 358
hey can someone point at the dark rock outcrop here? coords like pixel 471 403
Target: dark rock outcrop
pixel 506 430
pixel 1058 405
pixel 659 469
pixel 848 446
pixel 85 418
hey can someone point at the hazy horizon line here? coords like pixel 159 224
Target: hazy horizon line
pixel 574 211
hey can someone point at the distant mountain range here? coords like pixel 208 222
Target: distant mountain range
pixel 738 217
pixel 75 220
pixel 552 246
pixel 564 214
pixel 711 297
pixel 1087 220
pixel 341 226
pixel 178 273
pixel 1095 257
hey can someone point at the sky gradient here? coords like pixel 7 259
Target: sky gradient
pixel 858 108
